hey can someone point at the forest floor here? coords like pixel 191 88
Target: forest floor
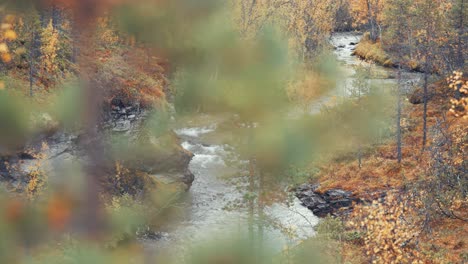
pixel 446 240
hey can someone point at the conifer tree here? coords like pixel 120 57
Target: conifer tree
pixel 49 54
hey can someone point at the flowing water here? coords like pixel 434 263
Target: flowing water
pixel 214 201
pixel 210 210
pixel 380 77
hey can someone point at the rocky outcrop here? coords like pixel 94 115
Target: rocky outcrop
pixel 331 202
pixel 158 160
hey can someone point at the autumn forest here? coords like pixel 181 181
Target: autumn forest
pixel 233 131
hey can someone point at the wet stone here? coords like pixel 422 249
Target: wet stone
pixel 122 126
pixel 333 201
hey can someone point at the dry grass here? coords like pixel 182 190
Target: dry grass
pixel 371 51
pixel 447 241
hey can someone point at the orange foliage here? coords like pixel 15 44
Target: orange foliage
pixel 381 173
pixel 460 104
pixel 389 230
pixel 380 170
pixel 14 210
pixel 448 238
pixel 58 212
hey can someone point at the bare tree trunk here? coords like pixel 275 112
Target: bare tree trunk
pixel 461 29
pixel 92 144
pixel 56 17
pixel 251 202
pixel 360 156
pixel 31 64
pixel 261 215
pixel 93 222
pixel 399 155
pixel 425 98
pixel 371 21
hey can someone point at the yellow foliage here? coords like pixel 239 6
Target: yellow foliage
pixel 6 57
pixel 49 49
pixel 362 9
pixel 107 36
pixel 459 106
pixel 308 23
pixel 7 34
pixel 37 177
pixel 10 35
pixel 389 230
pixel 3 48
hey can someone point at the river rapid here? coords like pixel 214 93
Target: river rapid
pixel 220 177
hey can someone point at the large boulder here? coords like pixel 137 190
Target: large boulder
pixel 334 201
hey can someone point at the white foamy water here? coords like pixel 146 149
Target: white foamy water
pixel 211 194
pixel 194 131
pixel 209 207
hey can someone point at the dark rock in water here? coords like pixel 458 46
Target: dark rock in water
pixel 322 210
pixel 188 178
pixel 26 156
pixel 122 126
pixel 306 186
pixel 353 43
pixel 341 46
pixel 337 204
pixel 332 201
pixel 116 102
pixel 313 201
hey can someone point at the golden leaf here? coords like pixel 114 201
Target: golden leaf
pixel 6 57
pixel 10 35
pixel 3 48
pixel 5 26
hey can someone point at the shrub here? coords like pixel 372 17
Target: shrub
pixel 389 230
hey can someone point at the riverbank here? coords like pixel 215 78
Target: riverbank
pixel 437 239
pixel 373 51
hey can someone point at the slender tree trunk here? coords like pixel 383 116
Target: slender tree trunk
pixel 425 99
pixel 360 156
pixel 399 155
pixel 461 29
pixel 251 202
pixel 261 214
pixel 56 17
pixel 371 21
pixel 31 64
pixel 92 217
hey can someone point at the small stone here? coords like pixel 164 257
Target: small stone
pixel 341 203
pixel 122 126
pixel 336 194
